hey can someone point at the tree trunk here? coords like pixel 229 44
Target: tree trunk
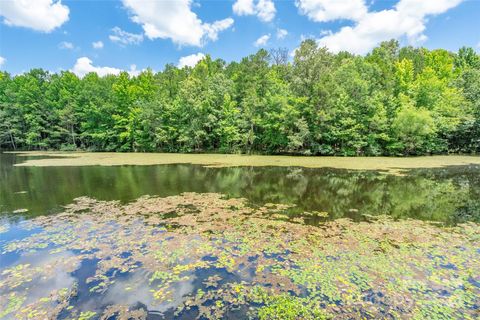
pixel 12 140
pixel 73 136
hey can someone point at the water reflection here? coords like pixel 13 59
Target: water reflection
pixel 447 194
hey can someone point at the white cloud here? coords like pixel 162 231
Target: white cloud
pixel 263 9
pixel 2 61
pixel 40 15
pixel 124 37
pixel 212 30
pixel 190 60
pixel 244 7
pixel 426 7
pixel 325 32
pixel 174 20
pixel 328 10
pixel 84 65
pixel 66 45
pixel 97 45
pixel 133 70
pixel 407 19
pixel 262 41
pixel 266 10
pixel 281 33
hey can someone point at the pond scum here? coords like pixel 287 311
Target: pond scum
pixel 203 256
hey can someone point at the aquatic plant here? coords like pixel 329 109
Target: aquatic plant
pixel 214 257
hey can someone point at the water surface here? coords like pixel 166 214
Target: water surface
pixel 237 242
pixel 447 195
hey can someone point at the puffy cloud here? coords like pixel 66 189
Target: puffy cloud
pixel 263 9
pixel 212 30
pixel 426 7
pixel 407 19
pixel 262 41
pixel 266 10
pixel 84 65
pixel 281 33
pixel 244 7
pixel 2 61
pixel 328 10
pixel 66 45
pixel 174 20
pixel 40 15
pixel 124 37
pixel 97 45
pixel 190 60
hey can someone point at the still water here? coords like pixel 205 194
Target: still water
pixel 448 195
pixel 259 242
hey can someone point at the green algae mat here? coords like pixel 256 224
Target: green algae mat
pixel 388 164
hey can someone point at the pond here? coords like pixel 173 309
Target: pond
pixel 188 241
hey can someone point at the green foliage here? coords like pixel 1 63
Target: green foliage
pixel 288 307
pixel 394 101
pixel 86 315
pixel 413 127
pixel 14 303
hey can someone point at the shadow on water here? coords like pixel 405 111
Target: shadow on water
pixel 448 195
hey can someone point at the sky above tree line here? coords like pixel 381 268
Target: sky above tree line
pixel 110 36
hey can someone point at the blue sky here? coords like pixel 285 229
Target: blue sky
pixel 136 34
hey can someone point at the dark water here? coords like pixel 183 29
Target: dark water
pixel 449 195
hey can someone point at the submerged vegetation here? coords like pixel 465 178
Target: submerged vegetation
pixel 201 255
pixel 393 101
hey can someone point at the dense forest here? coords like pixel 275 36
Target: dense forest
pixel 393 101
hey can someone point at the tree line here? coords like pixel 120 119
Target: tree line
pixel 393 101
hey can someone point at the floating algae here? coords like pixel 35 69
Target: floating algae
pixel 22 210
pixel 206 256
pixel 391 165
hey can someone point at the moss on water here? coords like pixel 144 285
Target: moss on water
pixel 389 164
